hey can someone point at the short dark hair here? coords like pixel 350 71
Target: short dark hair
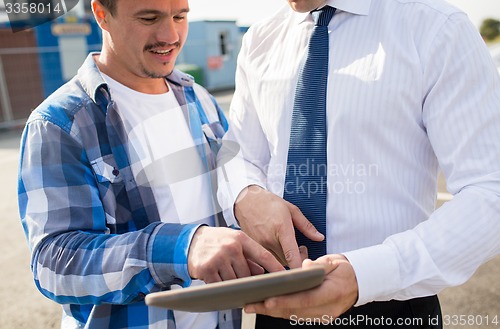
pixel 110 5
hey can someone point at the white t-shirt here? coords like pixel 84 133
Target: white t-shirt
pixel 163 155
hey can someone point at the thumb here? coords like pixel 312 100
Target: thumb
pixel 326 262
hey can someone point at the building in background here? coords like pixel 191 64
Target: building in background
pixel 35 62
pixel 21 86
pixel 212 47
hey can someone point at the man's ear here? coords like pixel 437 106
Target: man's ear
pixel 100 13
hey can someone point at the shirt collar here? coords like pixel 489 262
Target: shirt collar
pixel 355 7
pixel 90 77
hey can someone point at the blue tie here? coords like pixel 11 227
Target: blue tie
pixel 306 176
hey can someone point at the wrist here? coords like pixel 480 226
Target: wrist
pixel 244 197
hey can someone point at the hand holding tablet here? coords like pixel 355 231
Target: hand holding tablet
pixel 239 292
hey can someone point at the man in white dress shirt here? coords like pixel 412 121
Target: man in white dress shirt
pixel 411 90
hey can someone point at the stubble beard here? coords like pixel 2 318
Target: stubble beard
pixel 154 75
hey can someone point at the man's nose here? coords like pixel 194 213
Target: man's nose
pixel 167 32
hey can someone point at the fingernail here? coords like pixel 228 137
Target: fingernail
pixel 271 303
pixel 249 309
pixel 320 235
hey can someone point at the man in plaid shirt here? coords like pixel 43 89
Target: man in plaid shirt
pixel 114 185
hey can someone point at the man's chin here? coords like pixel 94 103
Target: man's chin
pixel 158 75
pixel 302 6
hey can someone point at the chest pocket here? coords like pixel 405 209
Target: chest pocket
pixel 111 185
pixel 106 170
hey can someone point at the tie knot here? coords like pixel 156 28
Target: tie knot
pixel 323 16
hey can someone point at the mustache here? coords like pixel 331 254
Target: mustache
pixel 160 45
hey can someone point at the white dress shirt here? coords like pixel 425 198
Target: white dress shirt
pixel 411 89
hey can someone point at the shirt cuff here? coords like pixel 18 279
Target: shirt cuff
pixel 168 253
pixel 377 273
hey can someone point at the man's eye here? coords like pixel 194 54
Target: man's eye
pixel 149 19
pixel 179 18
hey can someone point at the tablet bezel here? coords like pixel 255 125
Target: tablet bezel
pixel 239 292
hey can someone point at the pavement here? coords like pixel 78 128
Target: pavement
pixel 476 304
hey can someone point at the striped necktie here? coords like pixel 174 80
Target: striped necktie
pixel 306 177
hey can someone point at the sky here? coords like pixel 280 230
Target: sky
pixel 246 12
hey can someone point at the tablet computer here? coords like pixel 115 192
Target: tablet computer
pixel 236 293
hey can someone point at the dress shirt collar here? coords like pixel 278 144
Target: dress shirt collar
pixel 356 7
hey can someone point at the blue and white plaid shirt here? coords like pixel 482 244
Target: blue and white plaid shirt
pixel 98 246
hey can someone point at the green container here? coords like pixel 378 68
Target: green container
pixel 194 70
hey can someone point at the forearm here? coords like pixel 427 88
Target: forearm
pixel 91 268
pixel 441 252
pixel 244 157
